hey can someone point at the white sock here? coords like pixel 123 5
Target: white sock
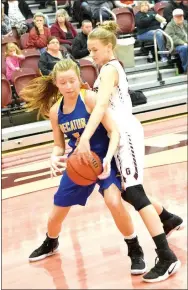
pixel 52 237
pixel 134 235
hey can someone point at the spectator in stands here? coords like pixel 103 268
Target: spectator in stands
pixel 39 34
pixel 18 11
pixel 95 9
pixel 52 55
pixel 13 56
pixel 172 5
pixel 6 28
pixel 63 29
pixel 177 29
pixel 86 9
pixel 79 45
pixel 147 24
pixel 44 3
pixel 81 11
pixel 125 3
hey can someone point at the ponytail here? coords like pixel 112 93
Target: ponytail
pixel 40 94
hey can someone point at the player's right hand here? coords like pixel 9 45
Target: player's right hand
pixel 57 164
pixel 106 169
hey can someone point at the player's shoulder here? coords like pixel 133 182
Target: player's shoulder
pixel 108 68
pixel 108 71
pixel 54 109
pixel 90 99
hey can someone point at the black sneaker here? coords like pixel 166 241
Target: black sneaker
pixel 48 248
pixel 136 255
pixel 166 264
pixel 174 223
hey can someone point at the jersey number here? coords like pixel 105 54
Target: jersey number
pixel 77 136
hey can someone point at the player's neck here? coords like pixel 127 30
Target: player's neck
pixel 112 57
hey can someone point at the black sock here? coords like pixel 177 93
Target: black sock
pixel 161 242
pixel 165 215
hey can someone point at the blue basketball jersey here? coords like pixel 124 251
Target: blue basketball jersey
pixel 73 125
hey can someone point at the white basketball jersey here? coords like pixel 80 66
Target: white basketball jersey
pixel 120 102
pixel 130 153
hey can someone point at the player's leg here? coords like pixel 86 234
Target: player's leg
pixel 50 244
pixel 170 221
pixel 130 157
pixel 167 263
pixel 67 195
pixel 112 196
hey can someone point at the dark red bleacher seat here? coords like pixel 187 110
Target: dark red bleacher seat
pixel 6 92
pixel 88 72
pixel 125 20
pixel 23 40
pixel 21 78
pixel 159 7
pixel 31 60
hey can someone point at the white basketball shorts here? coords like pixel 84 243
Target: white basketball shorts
pixel 130 155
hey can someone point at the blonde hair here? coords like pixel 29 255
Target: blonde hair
pixel 144 3
pixel 39 14
pixel 106 33
pixel 62 12
pixel 42 93
pixel 12 45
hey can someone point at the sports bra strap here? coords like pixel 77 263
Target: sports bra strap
pixel 83 94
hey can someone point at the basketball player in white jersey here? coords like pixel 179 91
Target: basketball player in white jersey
pixel 112 93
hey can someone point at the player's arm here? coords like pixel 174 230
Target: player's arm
pixel 109 77
pixel 112 130
pixel 58 136
pixel 57 161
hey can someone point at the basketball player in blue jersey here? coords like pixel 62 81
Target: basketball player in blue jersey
pixel 69 115
pixel 113 95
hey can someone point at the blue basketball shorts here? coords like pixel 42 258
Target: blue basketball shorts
pixel 69 193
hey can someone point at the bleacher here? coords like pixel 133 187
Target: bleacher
pixel 168 97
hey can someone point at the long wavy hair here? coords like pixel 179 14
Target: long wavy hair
pixel 41 93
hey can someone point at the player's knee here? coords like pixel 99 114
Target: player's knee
pixel 135 195
pixel 113 202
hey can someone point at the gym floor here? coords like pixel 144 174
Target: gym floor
pixel 92 253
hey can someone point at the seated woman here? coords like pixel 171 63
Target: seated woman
pixel 18 11
pixel 147 24
pixel 39 34
pixel 51 56
pixel 63 29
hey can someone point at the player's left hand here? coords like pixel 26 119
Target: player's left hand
pixel 57 164
pixel 83 151
pixel 106 169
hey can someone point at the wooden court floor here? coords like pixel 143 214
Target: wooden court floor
pixel 92 253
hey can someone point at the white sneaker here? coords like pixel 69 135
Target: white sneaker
pixel 164 59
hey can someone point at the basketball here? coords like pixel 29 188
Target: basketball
pixel 84 174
